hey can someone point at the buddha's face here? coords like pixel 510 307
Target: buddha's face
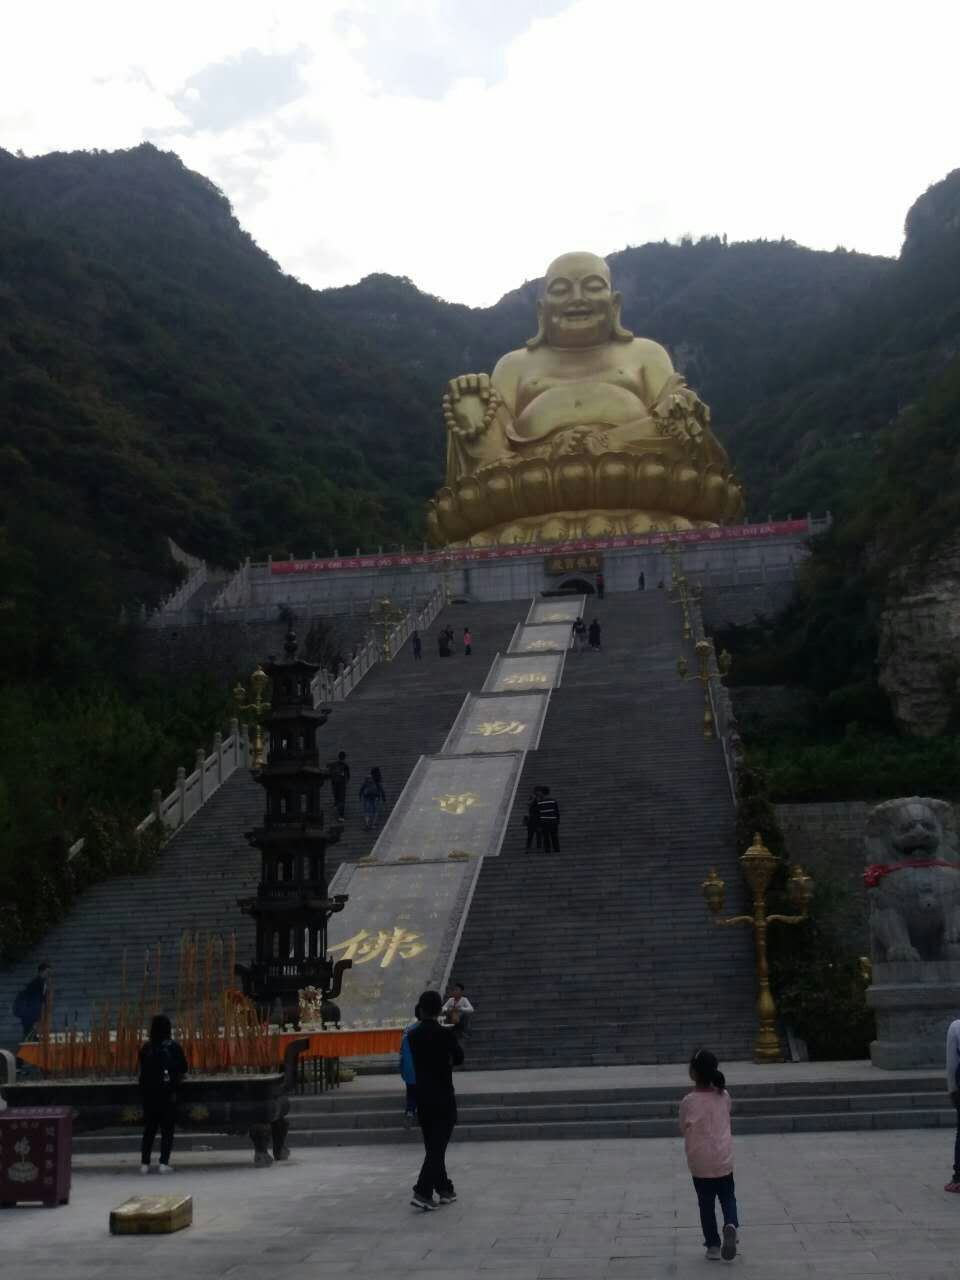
pixel 578 302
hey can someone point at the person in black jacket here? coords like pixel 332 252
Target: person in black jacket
pixel 548 815
pixel 435 1051
pixel 532 820
pixel 162 1067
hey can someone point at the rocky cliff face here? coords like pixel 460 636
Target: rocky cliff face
pixel 919 652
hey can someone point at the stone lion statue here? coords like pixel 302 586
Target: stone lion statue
pixel 913 880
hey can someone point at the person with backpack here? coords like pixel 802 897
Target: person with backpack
pixel 369 797
pixel 29 1003
pixel 339 777
pixel 162 1067
pixel 408 1074
pixel 953 1088
pixel 377 777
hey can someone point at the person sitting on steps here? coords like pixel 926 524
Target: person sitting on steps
pixel 457 1010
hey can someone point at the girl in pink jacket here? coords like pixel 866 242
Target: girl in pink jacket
pixel 705 1125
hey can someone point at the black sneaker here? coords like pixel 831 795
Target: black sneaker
pixel 447 1197
pixel 728 1250
pixel 426 1203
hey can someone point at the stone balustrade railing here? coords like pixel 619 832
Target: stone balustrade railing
pixel 175 602
pixel 234 590
pixel 327 688
pixel 192 790
pixel 210 772
pixel 725 720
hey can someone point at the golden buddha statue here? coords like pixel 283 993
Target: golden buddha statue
pixel 586 432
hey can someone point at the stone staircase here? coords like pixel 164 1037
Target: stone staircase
pixel 345 1117
pixel 604 953
pixel 399 711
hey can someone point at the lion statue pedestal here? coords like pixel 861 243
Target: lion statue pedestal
pixel 913 886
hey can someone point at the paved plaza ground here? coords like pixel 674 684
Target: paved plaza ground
pixel 812 1205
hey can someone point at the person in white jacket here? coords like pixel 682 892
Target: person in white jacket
pixel 953 1088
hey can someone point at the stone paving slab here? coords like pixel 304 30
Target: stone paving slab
pixel 853 1205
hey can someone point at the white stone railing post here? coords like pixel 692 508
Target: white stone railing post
pixel 200 761
pixel 181 789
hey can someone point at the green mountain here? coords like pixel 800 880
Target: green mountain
pixel 816 437
pixel 161 376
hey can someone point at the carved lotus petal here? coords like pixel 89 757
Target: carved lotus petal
pixel 684 488
pixel 497 488
pixel 574 483
pixel 534 484
pixel 651 483
pixel 614 480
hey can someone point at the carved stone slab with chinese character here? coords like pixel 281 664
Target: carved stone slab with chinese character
pixel 400 929
pixel 451 805
pixel 569 611
pixel 520 673
pixel 495 722
pixel 549 637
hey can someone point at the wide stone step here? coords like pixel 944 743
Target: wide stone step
pixel 646 1113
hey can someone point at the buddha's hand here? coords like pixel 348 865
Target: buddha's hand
pixel 470 405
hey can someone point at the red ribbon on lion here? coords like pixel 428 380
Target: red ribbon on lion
pixel 875 873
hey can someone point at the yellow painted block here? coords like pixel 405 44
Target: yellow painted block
pixel 151 1215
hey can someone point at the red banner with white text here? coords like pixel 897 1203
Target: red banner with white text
pixel 475 555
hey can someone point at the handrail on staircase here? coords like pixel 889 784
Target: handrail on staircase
pixel 193 790
pixel 327 688
pixel 724 717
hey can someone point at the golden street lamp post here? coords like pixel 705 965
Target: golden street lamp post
pixel 385 617
pixel 759 865
pixel 702 649
pixel 257 706
pixel 679 592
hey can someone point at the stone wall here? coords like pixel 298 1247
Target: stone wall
pixel 919 651
pixel 740 579
pixel 827 840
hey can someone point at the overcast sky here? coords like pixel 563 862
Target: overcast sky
pixel 464 143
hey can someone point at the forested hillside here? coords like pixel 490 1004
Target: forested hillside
pixel 160 376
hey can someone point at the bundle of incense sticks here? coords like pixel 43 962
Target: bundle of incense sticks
pixel 219 1029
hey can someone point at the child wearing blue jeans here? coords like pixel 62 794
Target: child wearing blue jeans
pixel 705 1125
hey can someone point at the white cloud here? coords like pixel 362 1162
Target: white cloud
pixel 604 123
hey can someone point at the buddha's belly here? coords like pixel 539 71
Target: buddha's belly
pixel 579 404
